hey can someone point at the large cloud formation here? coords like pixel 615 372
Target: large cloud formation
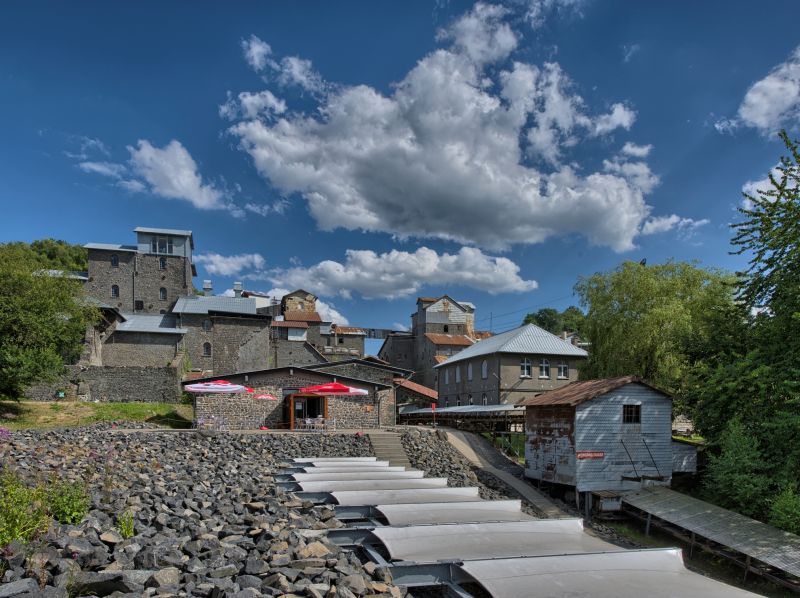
pixel 470 146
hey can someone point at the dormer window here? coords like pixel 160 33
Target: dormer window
pixel 114 261
pixel 161 245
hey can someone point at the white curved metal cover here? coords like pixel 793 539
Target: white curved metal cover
pixel 353 464
pixel 332 486
pixel 348 469
pixel 448 512
pixel 358 475
pixel 349 459
pixel 429 543
pixel 625 574
pixel 413 496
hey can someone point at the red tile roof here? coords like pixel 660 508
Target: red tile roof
pixel 349 330
pixel 440 358
pixel 449 339
pixel 576 393
pixel 417 388
pixel 482 334
pixel 302 316
pixel 284 324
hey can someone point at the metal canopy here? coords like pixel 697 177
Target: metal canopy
pixel 747 536
pixel 345 459
pixel 448 512
pixel 627 574
pixel 428 543
pixel 412 496
pixel 356 475
pixel 397 484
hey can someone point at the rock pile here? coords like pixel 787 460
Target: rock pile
pixel 208 519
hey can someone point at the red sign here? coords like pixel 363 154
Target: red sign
pixel 433 406
pixel 590 455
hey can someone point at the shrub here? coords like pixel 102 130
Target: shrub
pixel 23 510
pixel 68 502
pixel 785 511
pixel 125 525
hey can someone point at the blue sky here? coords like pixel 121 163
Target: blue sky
pixel 373 152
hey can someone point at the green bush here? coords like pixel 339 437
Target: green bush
pixel 23 510
pixel 785 511
pixel 125 525
pixel 68 502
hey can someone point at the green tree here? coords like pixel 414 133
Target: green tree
pixel 570 320
pixel 651 320
pixel 43 320
pixel 785 510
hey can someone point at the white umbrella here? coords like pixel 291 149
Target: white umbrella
pixel 221 386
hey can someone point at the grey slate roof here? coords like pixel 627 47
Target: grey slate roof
pixel 203 305
pixel 527 339
pixel 159 324
pixel 111 247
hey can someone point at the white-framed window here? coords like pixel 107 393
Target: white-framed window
pixel 446 376
pixel 162 294
pixel 469 371
pixel 206 349
pixel 458 374
pixel 162 263
pixel 114 261
pixel 114 291
pixel 484 369
pixel 161 245
pixel 525 368
pixel 485 399
pixel 563 371
pixel 544 368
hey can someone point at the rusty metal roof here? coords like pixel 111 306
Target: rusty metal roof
pixel 302 316
pixel 576 393
pixel 351 330
pixel 449 339
pixel 285 324
pixel 417 388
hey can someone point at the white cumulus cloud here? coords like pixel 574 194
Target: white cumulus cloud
pixel 230 265
pixel 252 105
pixel 400 273
pixel 256 52
pixel 772 102
pixel 662 224
pixel 539 10
pixel 636 151
pixel 468 147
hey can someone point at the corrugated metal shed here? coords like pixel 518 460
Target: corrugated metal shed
pixel 111 247
pixel 527 339
pixel 158 324
pixel 203 305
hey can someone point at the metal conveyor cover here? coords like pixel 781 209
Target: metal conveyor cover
pixel 628 574
pixel 414 496
pixel 429 543
pixel 446 512
pixel 347 459
pixel 357 475
pixel 332 486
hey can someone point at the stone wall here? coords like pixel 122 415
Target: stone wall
pixel 140 348
pixel 102 275
pixel 237 411
pixel 284 353
pixel 112 385
pixel 237 343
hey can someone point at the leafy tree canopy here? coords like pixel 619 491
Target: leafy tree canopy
pixel 552 320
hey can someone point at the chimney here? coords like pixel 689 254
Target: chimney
pixel 208 290
pixel 237 289
pixel 564 335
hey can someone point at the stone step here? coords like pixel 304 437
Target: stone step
pixel 388 447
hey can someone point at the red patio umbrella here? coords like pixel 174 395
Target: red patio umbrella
pixel 268 397
pixel 333 388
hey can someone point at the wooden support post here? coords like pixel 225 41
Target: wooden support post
pixel 577 500
pixel 691 548
pixel 647 525
pixel 587 505
pixel 746 567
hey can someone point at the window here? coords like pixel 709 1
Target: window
pixel 525 368
pixel 446 328
pixel 138 305
pixel 484 369
pixel 162 263
pixel 458 400
pixel 458 374
pixel 207 325
pixel 469 399
pixel 563 370
pixel 447 376
pixel 114 290
pixel 115 261
pixel 469 371
pixel 162 294
pixel 484 399
pixel 161 245
pixel 544 369
pixel 631 414
pixel 341 340
pixel 206 349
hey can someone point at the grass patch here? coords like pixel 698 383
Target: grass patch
pixel 43 415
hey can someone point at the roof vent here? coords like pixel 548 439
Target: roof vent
pixel 237 289
pixel 208 290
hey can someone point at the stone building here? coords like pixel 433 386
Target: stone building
pixel 508 367
pixel 246 411
pixel 440 328
pixel 144 278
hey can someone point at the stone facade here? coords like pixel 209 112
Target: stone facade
pixel 139 277
pixel 285 352
pixel 140 348
pixel 237 343
pixel 113 385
